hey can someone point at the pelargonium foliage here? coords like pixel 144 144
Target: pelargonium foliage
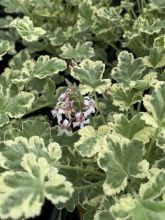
pixel 82 108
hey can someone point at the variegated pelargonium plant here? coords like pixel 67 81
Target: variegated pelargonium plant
pixel 82 108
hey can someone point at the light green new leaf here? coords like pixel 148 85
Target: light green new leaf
pixel 138 209
pixel 156 58
pixel 123 160
pixel 80 52
pixel 90 74
pixel 4 48
pixel 92 141
pixel 154 187
pixel 26 29
pixel 128 69
pixel 155 105
pixel 124 97
pixel 135 128
pixel 13 103
pixel 160 42
pixel 14 150
pixel 43 67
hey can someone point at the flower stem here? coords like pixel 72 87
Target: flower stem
pixel 98 106
pixel 67 167
pixel 88 186
pixel 151 146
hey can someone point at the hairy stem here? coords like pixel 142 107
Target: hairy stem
pixel 79 169
pixel 98 106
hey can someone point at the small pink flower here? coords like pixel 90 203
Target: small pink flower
pixel 69 108
pixel 64 128
pixel 89 105
pixel 63 97
pixel 57 112
pixel 81 120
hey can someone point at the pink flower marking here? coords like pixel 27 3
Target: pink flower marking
pixel 81 120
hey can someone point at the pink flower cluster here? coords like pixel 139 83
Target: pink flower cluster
pixel 69 115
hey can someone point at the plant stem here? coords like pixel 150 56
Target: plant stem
pixel 151 146
pixel 142 6
pixel 88 186
pixel 98 106
pixel 138 3
pixel 67 167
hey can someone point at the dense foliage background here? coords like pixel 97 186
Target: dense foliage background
pixel 82 109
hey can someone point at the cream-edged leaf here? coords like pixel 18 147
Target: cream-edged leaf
pixel 160 140
pixel 125 159
pixel 79 52
pixel 90 74
pixel 14 150
pixel 43 67
pixel 155 105
pixel 4 48
pixel 26 29
pixel 92 141
pixel 14 103
pixel 135 128
pixel 128 69
pixel 154 187
pixel 124 97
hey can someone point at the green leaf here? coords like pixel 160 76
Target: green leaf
pixel 11 6
pixel 122 161
pixel 14 150
pixel 124 97
pixel 155 105
pixel 22 193
pixel 128 69
pixel 36 126
pixel 159 3
pixel 13 103
pixel 26 29
pixel 135 128
pixel 156 58
pixel 81 51
pixel 4 48
pixel 154 187
pixel 90 74
pixel 43 67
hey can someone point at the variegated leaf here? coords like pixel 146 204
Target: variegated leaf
pixel 80 52
pixel 128 69
pixel 14 150
pixel 26 29
pixel 43 67
pixel 155 105
pixel 14 103
pixel 22 192
pixel 4 48
pixel 90 74
pixel 124 159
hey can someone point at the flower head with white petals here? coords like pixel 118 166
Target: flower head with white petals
pixel 72 110
pixel 81 120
